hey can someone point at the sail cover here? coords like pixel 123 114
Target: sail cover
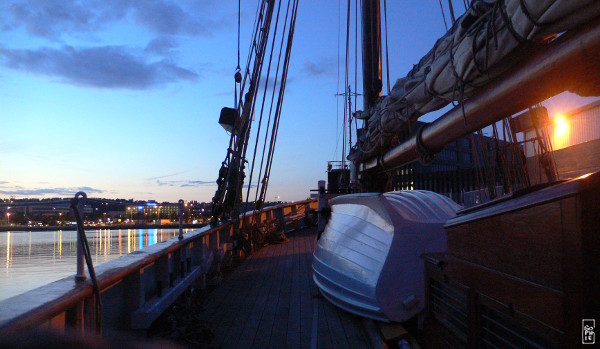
pixel 482 44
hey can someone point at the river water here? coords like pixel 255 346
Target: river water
pixel 33 259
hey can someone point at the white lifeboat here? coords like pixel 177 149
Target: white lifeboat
pixel 367 259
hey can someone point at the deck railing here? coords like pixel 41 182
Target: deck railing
pixel 136 288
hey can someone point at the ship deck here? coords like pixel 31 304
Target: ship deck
pixel 270 300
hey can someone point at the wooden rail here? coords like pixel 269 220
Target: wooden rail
pixel 135 288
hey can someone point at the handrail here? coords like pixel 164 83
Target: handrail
pixel 37 306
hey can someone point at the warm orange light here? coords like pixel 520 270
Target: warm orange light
pixel 561 125
pixel 561 134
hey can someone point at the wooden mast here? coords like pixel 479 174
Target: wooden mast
pixel 372 84
pixel 371 52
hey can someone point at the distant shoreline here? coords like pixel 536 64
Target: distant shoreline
pixel 109 227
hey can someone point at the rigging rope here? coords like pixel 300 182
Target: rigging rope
pixel 346 91
pixel 231 174
pixel 262 108
pixel 451 11
pixel 443 15
pixel 355 59
pixel 256 199
pixel 239 28
pixel 280 99
pixel 337 93
pixel 387 57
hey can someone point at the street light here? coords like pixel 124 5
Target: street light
pixel 8 218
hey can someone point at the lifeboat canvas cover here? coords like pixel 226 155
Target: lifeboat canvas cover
pixel 367 259
pixel 481 45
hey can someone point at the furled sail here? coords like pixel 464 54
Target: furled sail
pixel 481 45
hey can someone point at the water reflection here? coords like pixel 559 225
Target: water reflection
pixel 34 259
pixel 8 247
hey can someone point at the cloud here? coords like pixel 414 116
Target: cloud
pixel 184 183
pixel 48 19
pixel 166 17
pixel 100 67
pixel 161 46
pixel 165 176
pixel 53 19
pixel 3 182
pixel 198 183
pixel 322 67
pixel 64 191
pixel 165 184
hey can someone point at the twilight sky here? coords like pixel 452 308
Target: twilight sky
pixel 121 98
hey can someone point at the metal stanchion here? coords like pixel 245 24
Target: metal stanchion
pixel 79 202
pixel 180 209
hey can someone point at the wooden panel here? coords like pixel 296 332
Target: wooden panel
pixel 533 300
pixel 573 269
pixel 525 243
pixel 501 322
pixel 57 323
pixel 578 160
pixel 589 211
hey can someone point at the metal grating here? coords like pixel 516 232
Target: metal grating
pixel 449 307
pixel 502 331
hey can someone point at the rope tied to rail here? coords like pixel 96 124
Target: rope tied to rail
pixel 77 204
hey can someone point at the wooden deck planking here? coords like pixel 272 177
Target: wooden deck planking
pixel 268 301
pixel 279 332
pixel 293 328
pixel 242 334
pixel 217 299
pixel 265 328
pixel 355 334
pixel 250 327
pixel 306 293
pixel 232 306
pixel 244 300
pixel 338 335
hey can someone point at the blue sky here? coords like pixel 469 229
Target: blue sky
pixel 122 98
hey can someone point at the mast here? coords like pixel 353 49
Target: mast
pixel 372 84
pixel 371 52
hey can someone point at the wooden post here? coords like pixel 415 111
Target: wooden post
pixel 322 205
